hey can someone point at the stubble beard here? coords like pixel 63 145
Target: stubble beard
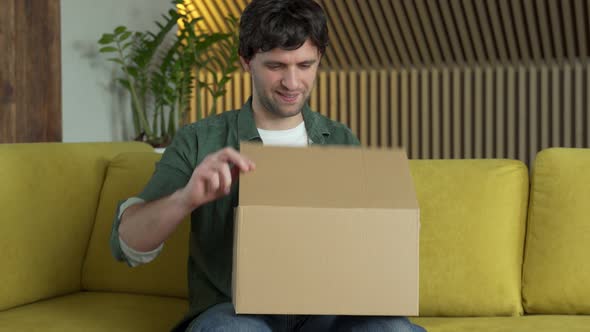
pixel 276 110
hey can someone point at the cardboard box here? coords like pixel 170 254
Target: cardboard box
pixel 326 230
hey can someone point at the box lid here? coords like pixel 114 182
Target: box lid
pixel 327 177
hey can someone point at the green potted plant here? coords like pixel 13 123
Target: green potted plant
pixel 158 69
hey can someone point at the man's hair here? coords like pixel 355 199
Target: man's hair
pixel 287 24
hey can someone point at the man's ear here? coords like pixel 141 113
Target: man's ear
pixel 245 64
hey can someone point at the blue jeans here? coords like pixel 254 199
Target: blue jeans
pixel 223 318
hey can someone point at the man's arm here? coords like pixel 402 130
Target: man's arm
pixel 145 226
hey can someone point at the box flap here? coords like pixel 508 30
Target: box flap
pixel 327 177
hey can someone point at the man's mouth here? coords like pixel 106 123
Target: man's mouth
pixel 288 98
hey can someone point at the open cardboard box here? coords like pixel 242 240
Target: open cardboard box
pixel 327 231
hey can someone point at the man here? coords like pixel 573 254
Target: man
pixel 281 44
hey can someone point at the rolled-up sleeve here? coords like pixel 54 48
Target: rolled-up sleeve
pixel 172 173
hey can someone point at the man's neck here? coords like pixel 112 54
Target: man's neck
pixel 268 121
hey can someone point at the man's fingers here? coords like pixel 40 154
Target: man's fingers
pixel 232 156
pixel 212 182
pixel 218 171
pixel 225 177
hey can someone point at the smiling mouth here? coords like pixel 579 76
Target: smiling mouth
pixel 288 97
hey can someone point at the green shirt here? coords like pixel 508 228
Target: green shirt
pixel 212 225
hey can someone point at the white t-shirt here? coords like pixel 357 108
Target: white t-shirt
pixel 296 136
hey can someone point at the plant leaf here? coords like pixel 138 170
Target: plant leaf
pixel 106 38
pixel 125 35
pixel 108 49
pixel 124 83
pixel 132 71
pixel 126 45
pixel 116 60
pixel 120 29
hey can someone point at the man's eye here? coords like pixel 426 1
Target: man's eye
pixel 273 66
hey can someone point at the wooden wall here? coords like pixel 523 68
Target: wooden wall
pixel 30 71
pixel 448 78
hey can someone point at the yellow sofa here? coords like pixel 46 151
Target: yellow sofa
pixel 495 256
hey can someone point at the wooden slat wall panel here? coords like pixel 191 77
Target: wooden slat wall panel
pixel 531 28
pixel 425 141
pixel 522 118
pixel 454 112
pixel 404 123
pixel 336 53
pixel 556 32
pixel 334 96
pixel 446 114
pixel 478 100
pixel 394 101
pixel 364 112
pixel 500 109
pixel 323 93
pixel 511 112
pixel 544 102
pixel 450 78
pixel 581 24
pixel 373 108
pixel 393 33
pixel 532 131
pixel 344 105
pixel 413 125
pixel 579 105
pixel 497 30
pixel 385 108
pixel 468 127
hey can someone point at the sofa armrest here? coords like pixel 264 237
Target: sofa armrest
pixel 49 196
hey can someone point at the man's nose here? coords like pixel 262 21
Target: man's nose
pixel 290 81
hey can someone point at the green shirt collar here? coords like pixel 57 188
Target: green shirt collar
pixel 315 126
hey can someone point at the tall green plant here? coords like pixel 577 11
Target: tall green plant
pixel 157 69
pixel 220 59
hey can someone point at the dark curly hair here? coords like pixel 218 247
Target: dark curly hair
pixel 287 24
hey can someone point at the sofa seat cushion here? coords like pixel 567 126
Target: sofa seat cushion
pixel 92 311
pixel 473 215
pixel 549 323
pixel 556 264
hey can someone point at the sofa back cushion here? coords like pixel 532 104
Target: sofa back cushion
pixel 473 215
pixel 127 174
pixel 556 274
pixel 49 194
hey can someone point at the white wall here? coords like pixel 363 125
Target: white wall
pixel 93 108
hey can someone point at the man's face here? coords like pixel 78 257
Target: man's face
pixel 282 80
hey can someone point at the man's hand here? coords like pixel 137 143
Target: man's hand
pixel 145 226
pixel 214 176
